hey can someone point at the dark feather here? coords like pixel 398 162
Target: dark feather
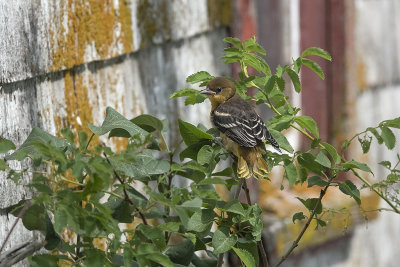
pixel 239 121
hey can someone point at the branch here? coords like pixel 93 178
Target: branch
pixel 20 252
pixel 127 198
pixel 365 181
pixel 20 214
pixel 296 242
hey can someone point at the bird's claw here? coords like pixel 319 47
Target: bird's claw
pixel 217 140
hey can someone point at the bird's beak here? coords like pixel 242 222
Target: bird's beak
pixel 207 91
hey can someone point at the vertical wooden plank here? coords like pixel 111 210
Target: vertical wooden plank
pixel 315 91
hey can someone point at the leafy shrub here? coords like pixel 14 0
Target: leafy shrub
pixel 84 190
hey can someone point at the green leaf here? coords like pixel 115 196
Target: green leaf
pixel 154 234
pixel 279 71
pixel 316 51
pixel 253 61
pixel 143 165
pixel 170 226
pixel 93 257
pixel 295 79
pixel 195 99
pixel 350 189
pixel 181 253
pixel 245 257
pixel 320 223
pixel 67 134
pixel 6 145
pixel 3 165
pixel 280 122
pixel 201 76
pixel 270 84
pixel 184 92
pixel 43 260
pixel 395 123
pixel 227 172
pixel 192 150
pixel 316 180
pixel 323 160
pixel 212 181
pixel 205 155
pixel 297 64
pixel 223 241
pixel 308 123
pixel 148 123
pixel 345 145
pixel 37 136
pixel 311 204
pixel 191 134
pixel 386 164
pixel 357 165
pixel 281 83
pixel 252 45
pixel 376 134
pixel 122 212
pixel 388 137
pixel 83 139
pixel 291 172
pixel 365 143
pixel 233 206
pixel 201 220
pixel 115 120
pixel 35 218
pixel 234 41
pixel 332 151
pixel 314 67
pixel 282 141
pixel 307 160
pixel 192 96
pixel 298 216
pixel 193 203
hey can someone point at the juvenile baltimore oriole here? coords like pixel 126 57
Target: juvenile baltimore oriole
pixel 242 131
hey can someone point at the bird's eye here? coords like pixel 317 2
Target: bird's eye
pixel 218 90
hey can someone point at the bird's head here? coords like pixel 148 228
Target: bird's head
pixel 219 90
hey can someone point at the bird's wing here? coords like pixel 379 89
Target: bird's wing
pixel 243 126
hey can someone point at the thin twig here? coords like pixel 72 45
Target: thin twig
pixel 220 259
pixel 90 140
pixel 365 181
pixel 296 242
pixel 127 198
pixel 260 244
pixel 169 178
pixel 20 252
pixel 20 214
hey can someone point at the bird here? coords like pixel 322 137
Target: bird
pixel 242 130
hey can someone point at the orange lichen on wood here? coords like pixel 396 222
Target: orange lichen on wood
pixel 362 82
pixel 83 24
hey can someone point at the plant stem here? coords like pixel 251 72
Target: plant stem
pixel 127 198
pixel 169 181
pixel 70 181
pixel 90 140
pixel 365 181
pixel 20 214
pixel 296 242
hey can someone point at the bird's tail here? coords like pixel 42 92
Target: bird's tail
pixel 251 163
pixel 260 167
pixel 243 170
